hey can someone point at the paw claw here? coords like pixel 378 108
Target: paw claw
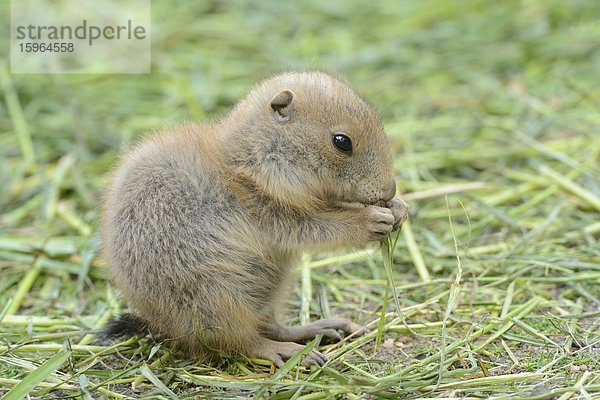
pixel 314 358
pixel 356 329
pixel 400 211
pixel 331 334
pixel 278 361
pixel 279 352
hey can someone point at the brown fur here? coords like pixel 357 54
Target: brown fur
pixel 203 223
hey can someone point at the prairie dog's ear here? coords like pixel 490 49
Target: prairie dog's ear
pixel 282 105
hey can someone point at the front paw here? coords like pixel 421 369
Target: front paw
pixel 399 210
pixel 379 222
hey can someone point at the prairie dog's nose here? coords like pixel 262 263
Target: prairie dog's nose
pixel 391 192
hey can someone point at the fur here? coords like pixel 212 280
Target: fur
pixel 203 223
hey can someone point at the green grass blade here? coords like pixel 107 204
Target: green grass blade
pixel 147 372
pixel 32 379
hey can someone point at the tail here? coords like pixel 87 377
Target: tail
pixel 125 325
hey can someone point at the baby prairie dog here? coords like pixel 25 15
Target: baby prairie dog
pixel 203 223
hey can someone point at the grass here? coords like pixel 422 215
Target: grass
pixel 492 289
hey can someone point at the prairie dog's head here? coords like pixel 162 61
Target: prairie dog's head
pixel 308 135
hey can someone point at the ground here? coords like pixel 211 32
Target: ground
pixel 491 290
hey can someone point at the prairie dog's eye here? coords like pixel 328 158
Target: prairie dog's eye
pixel 342 143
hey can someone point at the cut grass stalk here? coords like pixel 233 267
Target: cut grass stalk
pixel 51 199
pixel 27 384
pixel 48 264
pixel 482 383
pixel 147 372
pixel 453 298
pixel 381 323
pixel 21 212
pixel 158 363
pixel 535 333
pixel 414 252
pixel 65 245
pixel 571 186
pixel 511 355
pixel 551 153
pixel 443 190
pixel 40 321
pixel 305 290
pixel 359 255
pixel 24 287
pixel 438 159
pixel 9 382
pixel 55 347
pixel 429 327
pixel 387 255
pixel 532 235
pixel 74 221
pixel 16 115
pixel 508 321
pixel 578 388
pixel 508 299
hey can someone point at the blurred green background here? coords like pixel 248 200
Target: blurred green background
pixel 414 60
pixel 461 86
